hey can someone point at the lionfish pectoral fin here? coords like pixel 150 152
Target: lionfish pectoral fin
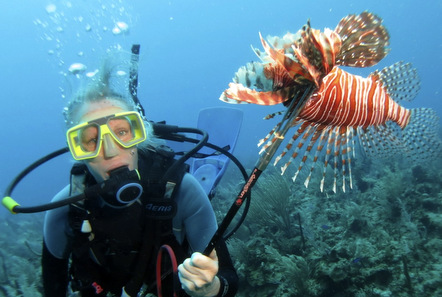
pixel 277 160
pixel 307 180
pixel 331 43
pixel 328 44
pixel 364 40
pixel 292 67
pixel 272 115
pixel 351 181
pixel 237 93
pixel 264 58
pixel 230 98
pixel 284 168
pixel 316 77
pixel 295 176
pixel 316 51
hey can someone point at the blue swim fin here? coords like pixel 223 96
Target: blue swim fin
pixel 223 125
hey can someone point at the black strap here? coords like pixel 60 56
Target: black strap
pixel 144 258
pixel 54 274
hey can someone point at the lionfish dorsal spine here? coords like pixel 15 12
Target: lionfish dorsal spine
pixel 364 40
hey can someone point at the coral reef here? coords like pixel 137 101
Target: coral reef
pixel 20 256
pixel 20 273
pixel 383 238
pixel 380 239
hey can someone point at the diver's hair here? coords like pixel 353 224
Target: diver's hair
pixel 100 88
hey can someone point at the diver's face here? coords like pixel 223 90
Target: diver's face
pixel 112 155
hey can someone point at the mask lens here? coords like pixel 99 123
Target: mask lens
pixel 127 129
pixel 121 128
pixel 84 141
pixel 88 137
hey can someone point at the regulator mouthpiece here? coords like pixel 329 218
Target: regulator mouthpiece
pixel 122 188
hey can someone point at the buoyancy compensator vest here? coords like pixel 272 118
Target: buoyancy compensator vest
pixel 115 247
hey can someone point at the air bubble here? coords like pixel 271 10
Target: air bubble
pixel 92 73
pixel 120 27
pixel 51 8
pixel 77 68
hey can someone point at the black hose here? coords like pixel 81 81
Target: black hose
pixel 31 167
pixel 48 206
pixel 170 133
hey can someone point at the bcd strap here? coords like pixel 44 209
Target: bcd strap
pixel 160 209
pixel 78 177
pixel 158 198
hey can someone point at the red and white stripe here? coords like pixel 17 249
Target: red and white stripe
pixel 350 100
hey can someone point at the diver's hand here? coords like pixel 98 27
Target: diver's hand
pixel 198 275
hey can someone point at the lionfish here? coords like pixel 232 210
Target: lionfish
pixel 343 105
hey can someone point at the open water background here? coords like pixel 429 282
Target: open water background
pixel 189 53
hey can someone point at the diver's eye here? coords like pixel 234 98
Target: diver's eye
pixel 90 145
pixel 89 138
pixel 121 133
pixel 121 128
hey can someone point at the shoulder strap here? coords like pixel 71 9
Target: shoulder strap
pixel 78 177
pixel 158 196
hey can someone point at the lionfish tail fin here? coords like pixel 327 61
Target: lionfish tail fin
pixel 364 40
pixel 421 136
pixel 418 141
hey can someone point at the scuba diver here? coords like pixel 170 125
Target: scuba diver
pixel 128 239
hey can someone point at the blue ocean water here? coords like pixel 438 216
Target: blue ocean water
pixel 189 53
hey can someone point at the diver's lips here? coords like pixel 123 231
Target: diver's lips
pixel 115 167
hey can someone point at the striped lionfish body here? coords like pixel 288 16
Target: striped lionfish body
pixel 344 106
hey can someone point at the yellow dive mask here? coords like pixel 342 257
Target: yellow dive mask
pixel 85 140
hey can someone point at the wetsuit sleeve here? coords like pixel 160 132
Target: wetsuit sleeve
pixel 56 249
pixel 199 223
pixel 195 219
pixel 56 228
pixel 54 274
pixel 226 273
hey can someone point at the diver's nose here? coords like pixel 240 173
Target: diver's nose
pixel 110 148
